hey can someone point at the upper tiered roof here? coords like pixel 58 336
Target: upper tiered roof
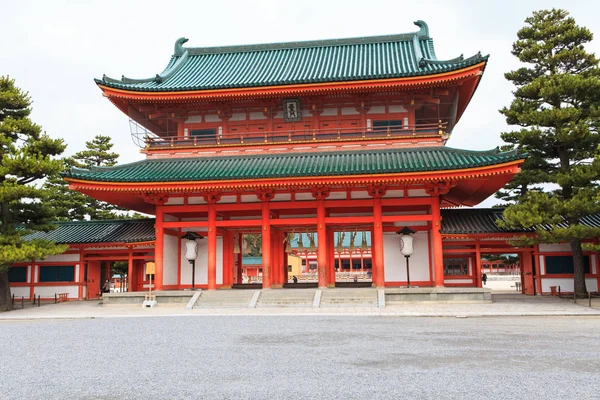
pixel 294 63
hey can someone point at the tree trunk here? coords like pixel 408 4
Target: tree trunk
pixel 5 300
pixel 578 268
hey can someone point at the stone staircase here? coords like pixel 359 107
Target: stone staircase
pixel 224 298
pixel 346 297
pixel 286 298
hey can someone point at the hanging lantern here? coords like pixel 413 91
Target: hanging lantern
pixel 288 242
pixel 352 238
pixel 236 244
pixel 340 244
pixel 363 243
pixel 312 247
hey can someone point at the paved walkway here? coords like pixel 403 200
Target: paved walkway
pixel 507 304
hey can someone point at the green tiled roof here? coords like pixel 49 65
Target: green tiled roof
pixel 113 231
pixel 377 57
pixel 295 165
pixel 483 220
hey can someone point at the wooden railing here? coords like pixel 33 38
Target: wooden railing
pixel 298 135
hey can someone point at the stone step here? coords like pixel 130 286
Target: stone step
pixel 286 298
pixel 224 298
pixel 349 298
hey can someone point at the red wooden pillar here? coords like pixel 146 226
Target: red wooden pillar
pixel 527 273
pixel 538 272
pixel 240 269
pixel 227 259
pixel 438 256
pixel 212 247
pixel 275 263
pixel 266 241
pixel 180 131
pixel 377 243
pixel 477 264
pixel 322 240
pixel 331 256
pixel 129 269
pixel 286 275
pixel 159 248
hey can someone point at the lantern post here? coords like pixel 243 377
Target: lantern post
pixel 191 252
pixel 406 247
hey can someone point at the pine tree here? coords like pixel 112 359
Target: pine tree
pixel 71 205
pixel 556 106
pixel 26 156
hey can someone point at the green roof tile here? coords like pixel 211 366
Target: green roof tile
pixel 294 165
pixel 113 231
pixel 484 220
pixel 377 57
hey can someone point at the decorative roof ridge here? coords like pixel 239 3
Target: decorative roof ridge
pixel 180 55
pixel 495 152
pixel 422 34
pixel 103 221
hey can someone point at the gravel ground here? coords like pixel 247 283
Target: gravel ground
pixel 301 357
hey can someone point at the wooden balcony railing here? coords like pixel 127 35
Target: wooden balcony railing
pixel 303 135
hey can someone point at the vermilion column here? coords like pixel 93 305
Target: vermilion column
pixel 275 264
pixel 436 236
pixel 159 249
pixel 331 257
pixel 129 270
pixel 266 244
pixel 477 264
pixel 377 245
pixel 240 269
pixel 212 247
pixel 322 243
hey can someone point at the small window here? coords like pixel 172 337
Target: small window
pixel 57 274
pixel 289 268
pixel 564 264
pixel 456 266
pixel 17 274
pixel 384 125
pixel 203 133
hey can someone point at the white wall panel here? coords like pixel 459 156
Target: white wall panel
pixel 49 291
pixel 395 262
pixel 552 247
pixel 170 252
pixel 62 258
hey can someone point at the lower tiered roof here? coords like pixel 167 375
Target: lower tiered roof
pixel 454 221
pixel 288 165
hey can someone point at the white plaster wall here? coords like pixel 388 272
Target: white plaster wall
pixel 169 218
pixel 349 111
pixel 458 281
pixel 212 118
pixel 329 112
pixel 62 258
pixel 202 264
pixel 282 197
pixel 551 247
pixel 393 194
pixel 170 252
pixel 174 201
pixel 395 263
pixel 376 110
pixel 257 115
pixel 542 270
pixel 20 291
pixel 566 284
pixel 49 291
pixel 397 109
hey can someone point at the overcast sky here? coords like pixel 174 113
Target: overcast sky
pixel 55 48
